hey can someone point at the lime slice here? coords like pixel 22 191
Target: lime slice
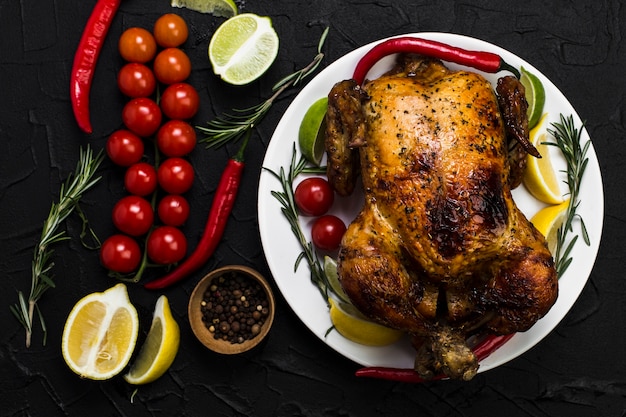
pixel 220 8
pixel 330 269
pixel 159 350
pixel 243 48
pixel 535 96
pixel 311 134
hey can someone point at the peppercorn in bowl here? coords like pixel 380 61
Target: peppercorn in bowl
pixel 231 310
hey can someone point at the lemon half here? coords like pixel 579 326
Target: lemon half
pixel 159 350
pixel 548 221
pixel 100 334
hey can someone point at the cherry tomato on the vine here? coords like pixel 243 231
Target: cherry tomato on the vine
pixel 180 101
pixel 170 30
pixel 142 116
pixel 166 245
pixel 137 45
pixel 136 80
pixel 175 175
pixel 173 210
pixel 327 231
pixel 176 138
pixel 133 215
pixel 120 253
pixel 314 196
pixel 140 179
pixel 124 148
pixel 172 65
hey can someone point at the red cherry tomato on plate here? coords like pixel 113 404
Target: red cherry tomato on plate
pixel 137 45
pixel 175 175
pixel 142 116
pixel 180 101
pixel 140 179
pixel 166 245
pixel 172 65
pixel 170 30
pixel 327 231
pixel 133 215
pixel 120 253
pixel 124 147
pixel 136 80
pixel 314 196
pixel 173 210
pixel 176 138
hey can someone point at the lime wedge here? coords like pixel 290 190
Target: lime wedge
pixel 311 135
pixel 243 48
pixel 535 96
pixel 330 269
pixel 220 8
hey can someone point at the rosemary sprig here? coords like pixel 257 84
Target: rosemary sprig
pixel 290 211
pixel 568 139
pixel 41 277
pixel 232 126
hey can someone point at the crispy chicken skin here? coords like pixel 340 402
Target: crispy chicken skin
pixel 439 250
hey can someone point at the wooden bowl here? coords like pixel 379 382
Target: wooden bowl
pixel 201 328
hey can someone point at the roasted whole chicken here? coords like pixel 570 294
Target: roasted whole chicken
pixel 440 249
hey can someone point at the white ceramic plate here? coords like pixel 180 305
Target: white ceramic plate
pixel 282 248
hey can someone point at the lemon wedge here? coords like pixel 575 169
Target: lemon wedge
pixel 311 134
pixel 548 221
pixel 355 327
pixel 159 350
pixel 219 8
pixel 540 178
pixel 100 334
pixel 243 48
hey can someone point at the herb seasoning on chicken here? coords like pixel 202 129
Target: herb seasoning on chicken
pixel 439 250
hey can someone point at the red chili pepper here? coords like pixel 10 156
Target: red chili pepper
pixel 483 61
pixel 223 202
pixel 483 349
pixel 86 57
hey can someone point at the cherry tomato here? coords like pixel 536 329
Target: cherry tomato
pixel 140 179
pixel 176 138
pixel 133 215
pixel 170 30
pixel 136 80
pixel 171 66
pixel 327 231
pixel 120 253
pixel 142 116
pixel 166 245
pixel 137 45
pixel 180 101
pixel 173 210
pixel 314 196
pixel 175 175
pixel 124 147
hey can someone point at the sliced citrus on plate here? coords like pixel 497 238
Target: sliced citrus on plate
pixel 540 177
pixel 535 96
pixel 330 269
pixel 243 48
pixel 311 134
pixel 355 327
pixel 220 8
pixel 159 350
pixel 548 221
pixel 100 334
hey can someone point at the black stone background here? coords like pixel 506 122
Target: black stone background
pixel 578 370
